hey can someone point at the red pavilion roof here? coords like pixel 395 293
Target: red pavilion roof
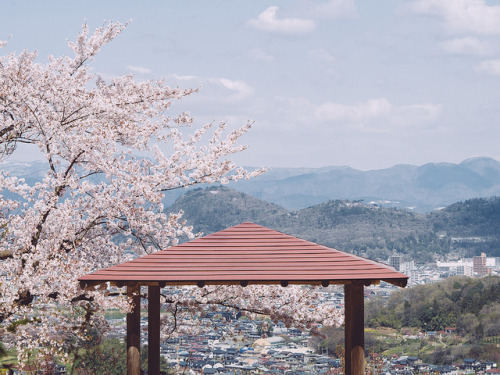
pixel 247 254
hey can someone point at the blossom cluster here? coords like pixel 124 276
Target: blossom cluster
pixel 99 197
pixel 295 306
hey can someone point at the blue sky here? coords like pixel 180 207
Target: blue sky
pixel 368 84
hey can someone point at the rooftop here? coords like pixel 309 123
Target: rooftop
pixel 248 254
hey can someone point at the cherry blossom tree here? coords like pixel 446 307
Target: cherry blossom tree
pixel 100 197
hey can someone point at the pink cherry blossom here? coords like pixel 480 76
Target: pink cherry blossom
pixel 99 198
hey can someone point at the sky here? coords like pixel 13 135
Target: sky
pixel 367 84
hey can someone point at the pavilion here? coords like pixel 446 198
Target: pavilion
pixel 242 255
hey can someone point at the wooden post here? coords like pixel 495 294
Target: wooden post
pixel 153 330
pixel 354 329
pixel 134 332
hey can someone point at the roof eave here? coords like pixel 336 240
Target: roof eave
pixel 92 283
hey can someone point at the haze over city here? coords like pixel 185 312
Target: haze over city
pixel 340 82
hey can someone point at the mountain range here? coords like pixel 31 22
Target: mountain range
pixel 420 188
pixel 442 209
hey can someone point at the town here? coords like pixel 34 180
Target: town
pixel 282 350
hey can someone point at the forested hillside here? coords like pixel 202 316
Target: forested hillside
pixel 215 208
pixel 440 323
pixel 470 305
pixel 462 229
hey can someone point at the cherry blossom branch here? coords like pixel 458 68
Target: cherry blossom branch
pixel 99 200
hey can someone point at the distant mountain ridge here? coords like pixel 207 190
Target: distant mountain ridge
pixel 420 188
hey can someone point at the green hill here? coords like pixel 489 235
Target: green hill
pixel 215 208
pixel 461 230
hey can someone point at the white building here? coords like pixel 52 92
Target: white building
pixel 463 267
pixel 395 262
pixel 479 266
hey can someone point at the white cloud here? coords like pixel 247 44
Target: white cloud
pixel 260 55
pixel 466 46
pixel 489 67
pixel 463 16
pixel 321 55
pixel 238 89
pixel 376 114
pixel 239 86
pixel 334 9
pixel 184 78
pixel 358 112
pixel 139 69
pixel 407 115
pixel 267 21
pixel 213 89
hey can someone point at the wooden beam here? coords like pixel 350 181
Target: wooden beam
pixel 354 329
pixel 134 332
pixel 153 330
